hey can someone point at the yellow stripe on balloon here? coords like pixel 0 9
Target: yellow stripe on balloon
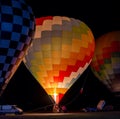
pixel 66 47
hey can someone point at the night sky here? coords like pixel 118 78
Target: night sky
pixel 101 17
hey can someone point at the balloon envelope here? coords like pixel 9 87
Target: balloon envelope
pixel 106 61
pixel 62 49
pixel 17 26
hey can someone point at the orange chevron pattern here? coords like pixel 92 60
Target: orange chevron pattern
pixel 106 61
pixel 62 50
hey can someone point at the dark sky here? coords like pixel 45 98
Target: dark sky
pixel 101 16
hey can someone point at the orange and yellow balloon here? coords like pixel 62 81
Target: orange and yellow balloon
pixel 62 49
pixel 106 61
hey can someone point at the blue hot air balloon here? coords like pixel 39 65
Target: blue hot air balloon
pixel 17 26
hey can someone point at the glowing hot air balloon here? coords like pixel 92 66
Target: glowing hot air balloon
pixel 62 49
pixel 17 26
pixel 106 61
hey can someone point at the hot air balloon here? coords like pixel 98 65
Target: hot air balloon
pixel 106 60
pixel 62 49
pixel 17 26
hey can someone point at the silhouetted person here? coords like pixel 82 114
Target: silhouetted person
pixel 56 108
